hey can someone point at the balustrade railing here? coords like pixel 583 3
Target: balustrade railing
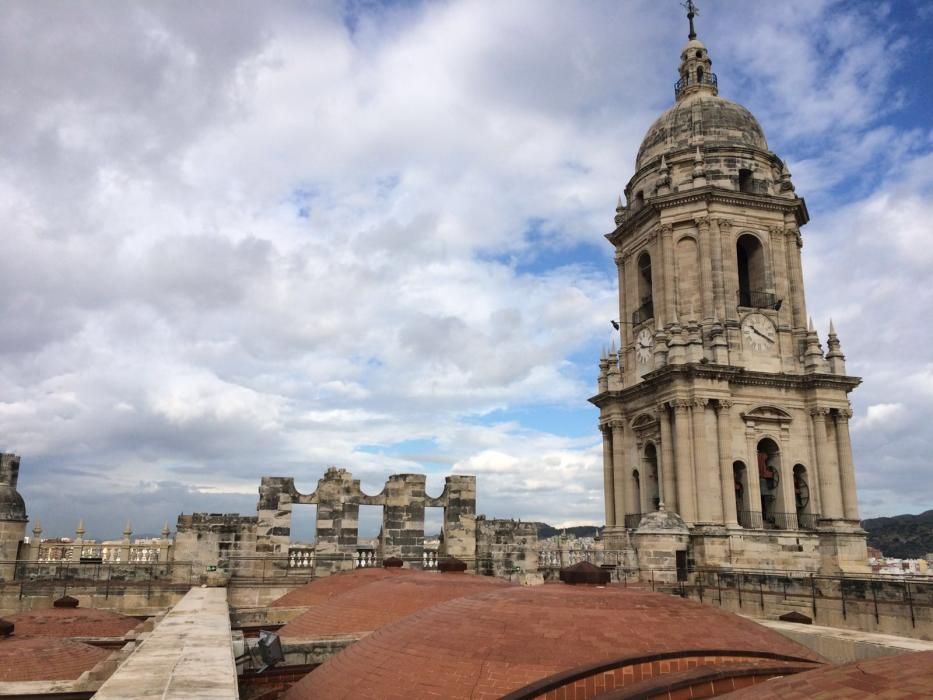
pixel 300 558
pixel 758 299
pixel 692 79
pixel 429 559
pixel 643 313
pixel 365 558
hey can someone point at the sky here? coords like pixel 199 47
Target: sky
pixel 242 239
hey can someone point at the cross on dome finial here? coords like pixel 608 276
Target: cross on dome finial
pixel 692 11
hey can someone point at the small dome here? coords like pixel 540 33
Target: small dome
pixel 12 505
pixel 39 659
pixel 371 607
pixel 718 121
pixel 323 589
pixel 72 622
pixel 491 644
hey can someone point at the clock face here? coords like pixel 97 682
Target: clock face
pixel 759 333
pixel 643 344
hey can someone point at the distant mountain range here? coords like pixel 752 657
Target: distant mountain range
pixel 902 536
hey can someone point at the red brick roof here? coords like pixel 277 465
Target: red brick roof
pixel 890 677
pixel 368 608
pixel 44 659
pixel 322 589
pixel 490 644
pixel 71 622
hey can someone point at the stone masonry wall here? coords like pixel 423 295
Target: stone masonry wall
pixel 504 547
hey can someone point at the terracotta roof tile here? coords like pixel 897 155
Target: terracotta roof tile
pixel 71 622
pixel 492 643
pixel 322 589
pixel 371 607
pixel 896 677
pixel 44 659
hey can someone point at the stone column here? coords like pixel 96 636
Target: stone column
pixel 126 544
pixel 779 270
pixel 667 459
pixel 830 492
pixel 618 470
pixel 846 465
pixel 787 481
pixel 716 260
pixel 709 506
pixel 706 282
pixel 624 311
pixel 794 266
pixel 683 456
pixel 751 476
pixel 730 270
pixel 726 476
pixel 608 490
pixel 667 245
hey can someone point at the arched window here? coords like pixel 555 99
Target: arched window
pixel 773 509
pixel 639 199
pixel 699 75
pixel 652 491
pixel 645 308
pixel 742 508
pixel 636 482
pixel 750 256
pixel 802 502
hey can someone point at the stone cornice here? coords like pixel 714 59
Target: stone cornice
pixel 659 379
pixel 710 194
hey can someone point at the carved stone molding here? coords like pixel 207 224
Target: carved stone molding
pixel 702 222
pixel 725 225
pixel 844 414
pixel 776 230
pixel 725 404
pixel 700 402
pixel 665 229
pixel 767 414
pixel 680 405
pixel 819 412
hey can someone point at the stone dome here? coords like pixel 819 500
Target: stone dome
pixel 12 505
pixel 700 118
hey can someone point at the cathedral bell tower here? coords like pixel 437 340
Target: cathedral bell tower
pixel 723 420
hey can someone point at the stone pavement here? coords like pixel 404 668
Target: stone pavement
pixel 187 656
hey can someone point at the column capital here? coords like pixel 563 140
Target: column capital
pixel 725 225
pixel 844 414
pixel 666 229
pixel 725 404
pixel 661 407
pixel 776 230
pixel 702 222
pixel 700 402
pixel 794 232
pixel 680 405
pixel 616 423
pixel 604 427
pixel 819 412
pixel 619 258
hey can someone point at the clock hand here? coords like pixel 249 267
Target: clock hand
pixel 762 334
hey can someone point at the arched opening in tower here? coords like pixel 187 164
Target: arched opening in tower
pixel 750 256
pixel 652 490
pixel 769 477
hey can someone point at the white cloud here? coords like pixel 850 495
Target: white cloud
pixel 258 240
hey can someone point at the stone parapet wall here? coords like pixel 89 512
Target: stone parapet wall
pixel 505 547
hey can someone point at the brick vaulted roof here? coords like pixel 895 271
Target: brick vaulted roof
pixel 890 677
pixel 368 608
pixel 490 644
pixel 44 659
pixel 322 589
pixel 71 622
